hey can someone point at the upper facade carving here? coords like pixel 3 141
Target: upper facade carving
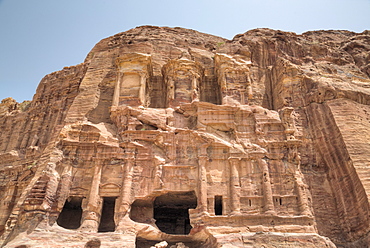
pixel 183 81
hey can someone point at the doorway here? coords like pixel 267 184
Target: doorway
pixel 107 215
pixel 218 204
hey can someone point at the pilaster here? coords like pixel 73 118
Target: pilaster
pixel 124 200
pixel 202 182
pixel 268 201
pixel 234 164
pixel 92 209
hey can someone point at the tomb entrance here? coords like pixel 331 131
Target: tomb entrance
pixel 171 212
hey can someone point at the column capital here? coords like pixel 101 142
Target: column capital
pixel 234 159
pixel 203 149
pixel 202 160
pixel 203 156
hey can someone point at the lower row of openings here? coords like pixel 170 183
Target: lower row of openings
pixel 70 216
pixel 171 212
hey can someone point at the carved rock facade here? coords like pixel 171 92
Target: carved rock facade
pixel 167 134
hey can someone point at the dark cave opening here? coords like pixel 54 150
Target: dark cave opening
pixel 70 217
pixel 171 212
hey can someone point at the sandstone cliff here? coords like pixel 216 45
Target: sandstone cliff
pixel 168 134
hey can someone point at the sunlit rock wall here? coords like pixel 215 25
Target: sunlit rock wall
pixel 168 134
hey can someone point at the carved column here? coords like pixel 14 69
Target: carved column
pixel 115 101
pixel 295 159
pixel 62 195
pixel 266 187
pixel 202 179
pixel 234 185
pixel 172 147
pixel 65 185
pixel 286 116
pixel 249 169
pixel 249 89
pixel 303 204
pixel 142 91
pixel 242 96
pixel 195 89
pixel 124 200
pixel 170 91
pixel 91 213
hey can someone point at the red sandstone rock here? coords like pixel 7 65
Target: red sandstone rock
pixel 168 134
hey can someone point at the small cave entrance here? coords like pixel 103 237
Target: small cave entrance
pixel 70 217
pixel 107 215
pixel 171 212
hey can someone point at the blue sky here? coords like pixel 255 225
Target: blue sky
pixel 42 36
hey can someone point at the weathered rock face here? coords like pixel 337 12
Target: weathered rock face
pixel 168 134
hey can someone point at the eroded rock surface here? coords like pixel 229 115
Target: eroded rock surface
pixel 168 136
